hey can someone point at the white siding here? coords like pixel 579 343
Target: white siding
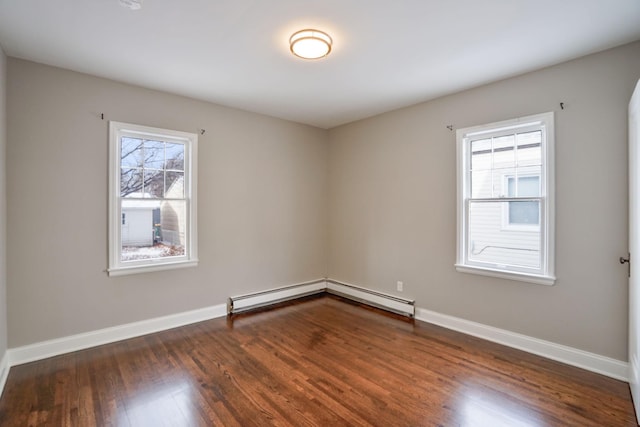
pixel 491 239
pixel 174 215
pixel 138 227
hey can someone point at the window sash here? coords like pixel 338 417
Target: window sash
pixel 545 228
pixel 118 131
pixel 506 266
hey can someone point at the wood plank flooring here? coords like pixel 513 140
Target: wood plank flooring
pixel 318 362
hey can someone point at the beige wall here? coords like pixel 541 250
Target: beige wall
pixel 278 205
pixel 392 193
pixel 3 204
pixel 261 204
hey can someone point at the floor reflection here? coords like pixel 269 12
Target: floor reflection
pixel 482 406
pixel 163 405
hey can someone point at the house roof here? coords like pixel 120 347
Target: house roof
pixel 140 201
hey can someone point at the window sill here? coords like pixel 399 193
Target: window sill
pixel 122 271
pixel 511 275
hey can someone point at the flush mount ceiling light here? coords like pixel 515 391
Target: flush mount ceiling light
pixel 310 44
pixel 132 4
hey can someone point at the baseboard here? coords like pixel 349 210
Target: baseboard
pixel 590 361
pixel 4 371
pixel 571 356
pixel 55 347
pixel 634 385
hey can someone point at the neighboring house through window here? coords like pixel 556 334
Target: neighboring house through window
pixel 152 188
pixel 505 199
pixel 525 213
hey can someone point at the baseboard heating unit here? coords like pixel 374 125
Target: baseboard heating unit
pixel 403 306
pixel 243 303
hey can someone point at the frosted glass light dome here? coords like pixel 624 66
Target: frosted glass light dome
pixel 310 44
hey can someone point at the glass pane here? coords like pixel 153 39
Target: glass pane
pixel 490 242
pixel 131 152
pixel 530 171
pixel 481 185
pixel 504 155
pixel 172 225
pixel 529 148
pixel 175 156
pixel 524 213
pixel 481 154
pixel 153 183
pixel 481 161
pixel 174 185
pixel 130 182
pixel 500 182
pixel 152 229
pixel 527 186
pixel 529 138
pixel 154 154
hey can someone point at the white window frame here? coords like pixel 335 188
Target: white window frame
pixel 117 130
pixel 545 274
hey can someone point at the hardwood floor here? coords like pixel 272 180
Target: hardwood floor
pixel 318 362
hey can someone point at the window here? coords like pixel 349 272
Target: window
pixel 152 199
pixel 523 215
pixel 505 199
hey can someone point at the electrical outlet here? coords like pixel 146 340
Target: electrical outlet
pixel 399 286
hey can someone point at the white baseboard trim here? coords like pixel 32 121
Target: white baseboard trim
pixel 4 370
pixel 590 361
pixel 571 356
pixel 55 347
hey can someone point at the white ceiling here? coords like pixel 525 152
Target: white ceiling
pixel 386 54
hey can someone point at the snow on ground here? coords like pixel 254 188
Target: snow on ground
pixel 131 253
